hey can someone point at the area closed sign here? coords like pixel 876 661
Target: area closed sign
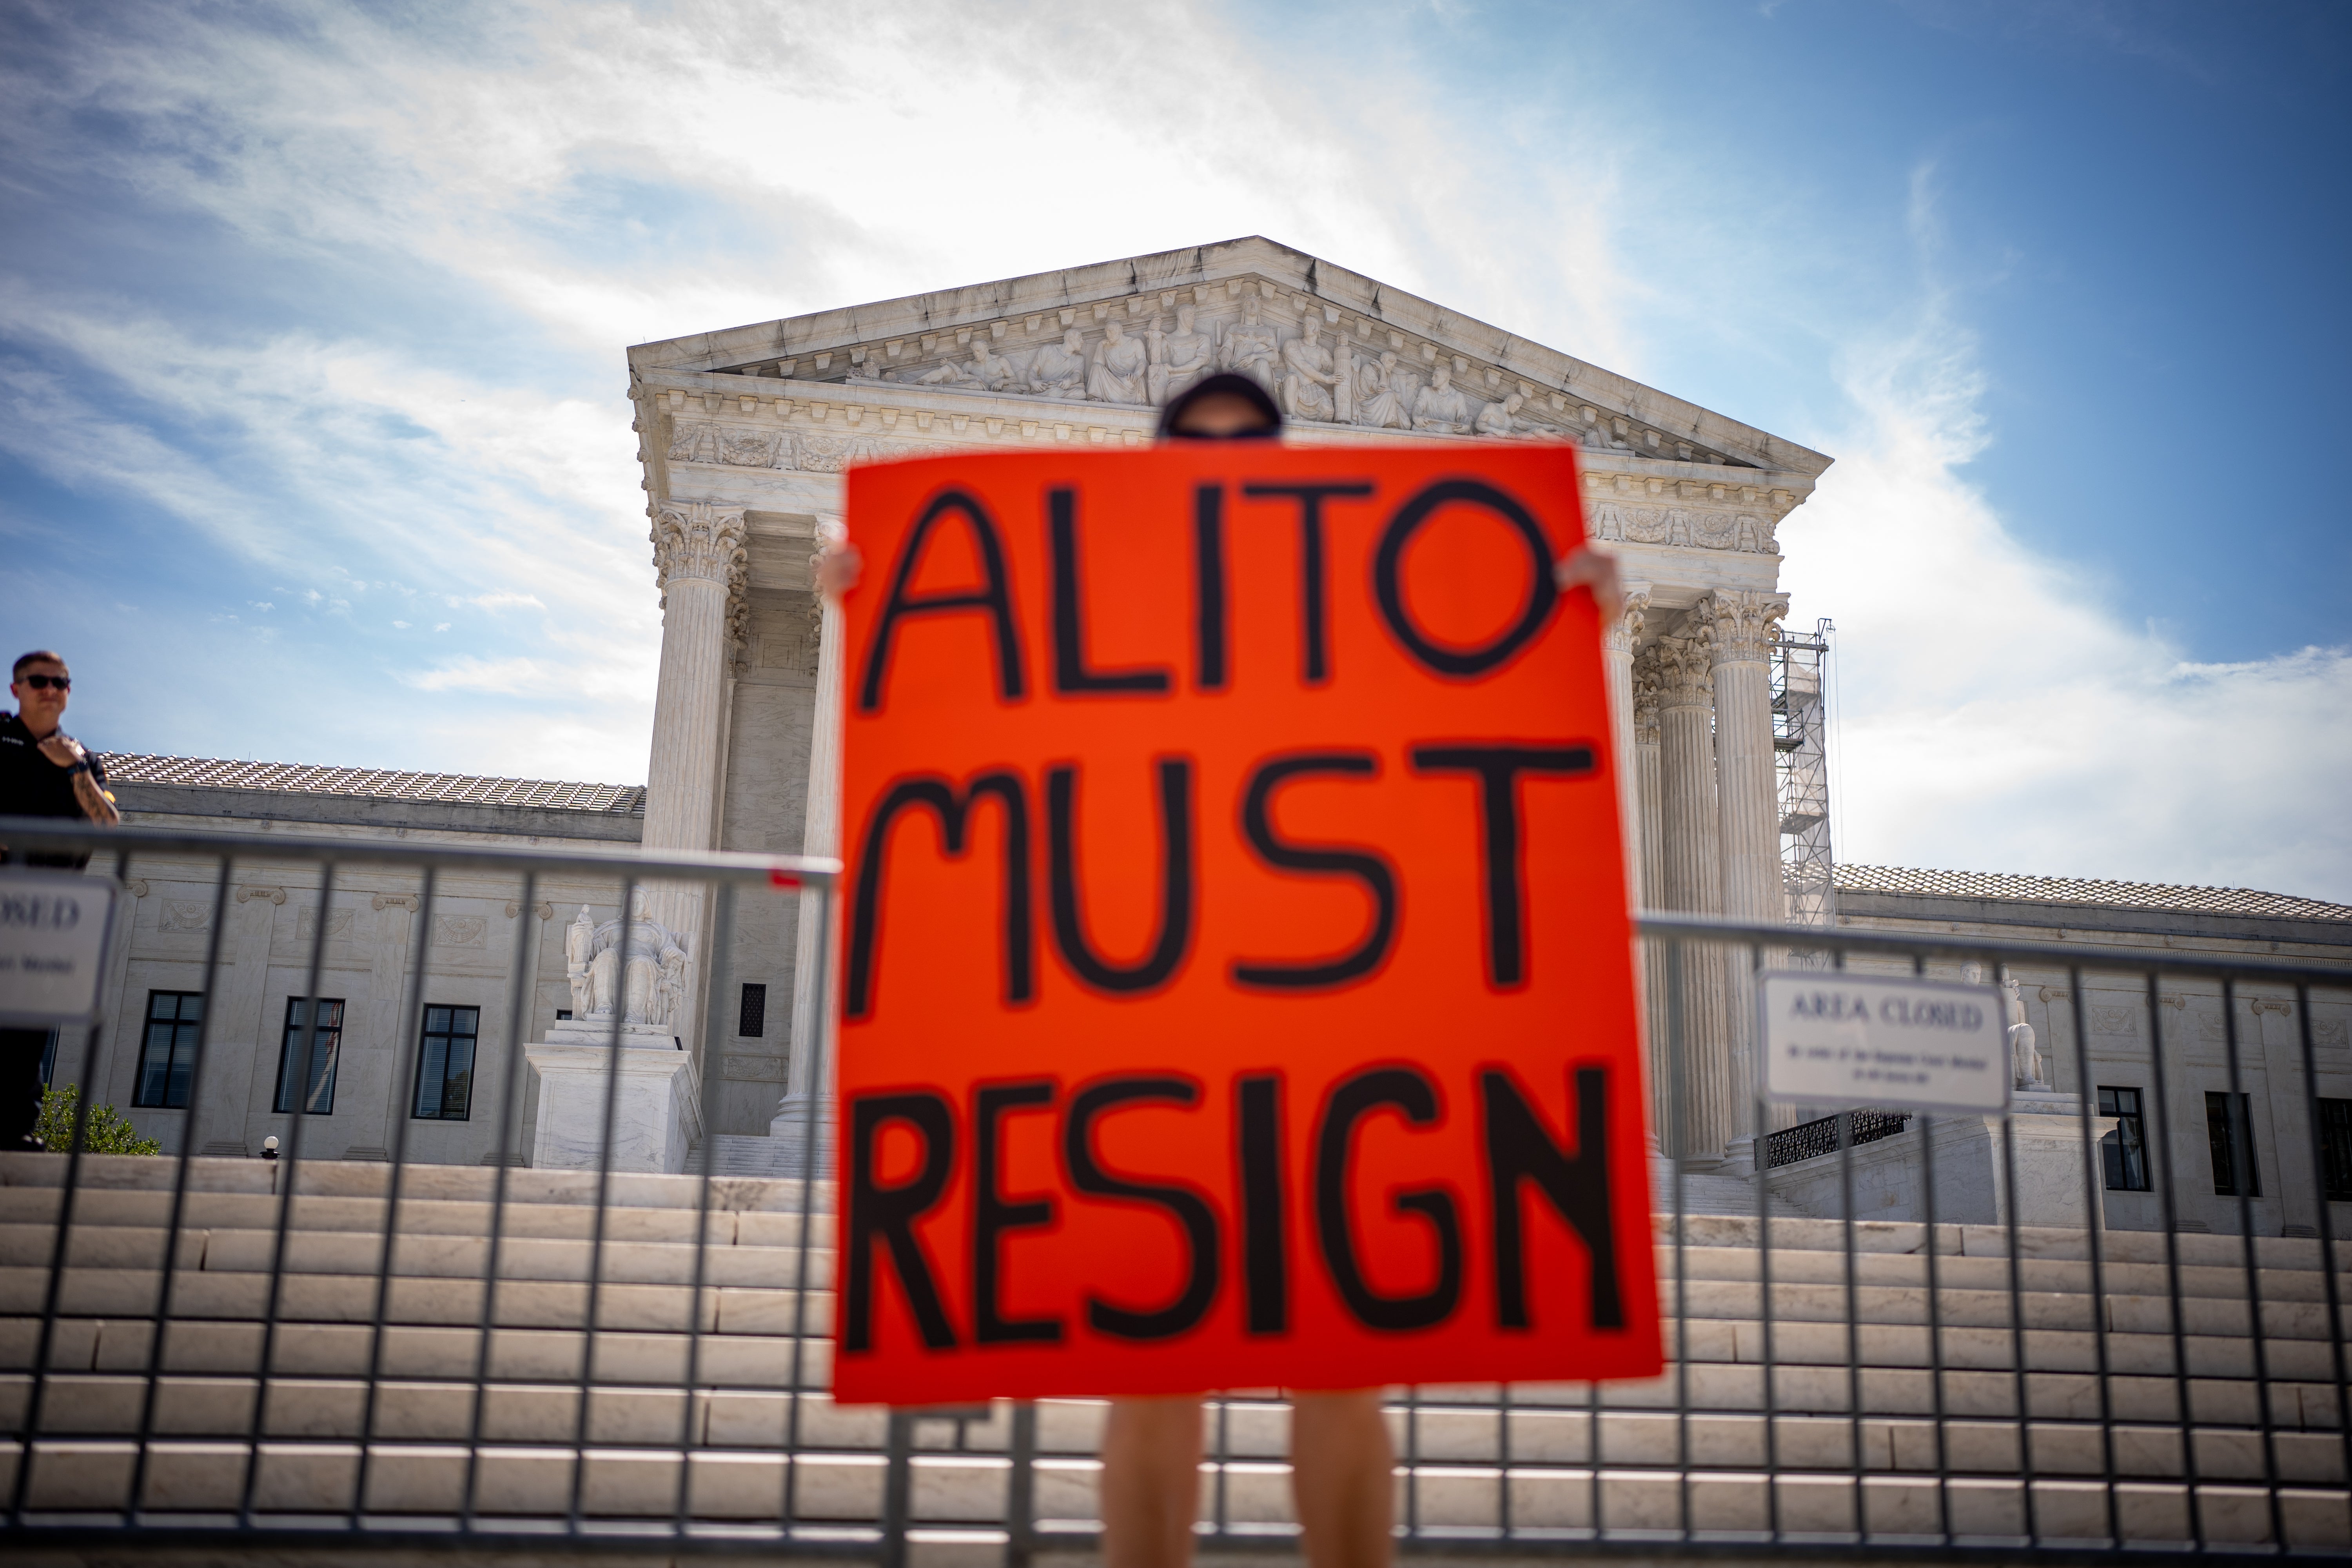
pixel 53 930
pixel 1883 1040
pixel 1235 980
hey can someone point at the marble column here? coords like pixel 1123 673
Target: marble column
pixel 813 1032
pixel 1740 628
pixel 1650 840
pixel 699 553
pixel 1617 639
pixel 1693 884
pixel 376 1093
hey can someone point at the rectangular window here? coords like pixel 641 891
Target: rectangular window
pixel 167 1056
pixel 2125 1151
pixel 326 1045
pixel 445 1063
pixel 2335 1149
pixel 753 1019
pixel 2230 1131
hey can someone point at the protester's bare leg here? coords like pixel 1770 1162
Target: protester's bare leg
pixel 1151 1481
pixel 1340 1472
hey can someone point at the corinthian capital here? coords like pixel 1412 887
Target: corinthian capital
pixel 1618 635
pixel 1741 624
pixel 698 540
pixel 1646 700
pixel 1683 671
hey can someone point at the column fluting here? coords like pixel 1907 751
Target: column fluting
pixel 820 835
pixel 1693 884
pixel 1740 627
pixel 700 564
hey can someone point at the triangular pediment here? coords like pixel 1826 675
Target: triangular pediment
pixel 1379 359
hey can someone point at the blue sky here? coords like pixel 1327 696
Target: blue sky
pixel 313 444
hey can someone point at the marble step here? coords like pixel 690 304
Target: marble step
pixel 972 1489
pixel 1894 1376
pixel 137 1190
pixel 656 1246
pixel 1431 1433
pixel 647 1287
pixel 202 1359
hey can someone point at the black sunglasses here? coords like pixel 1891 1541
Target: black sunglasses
pixel 43 682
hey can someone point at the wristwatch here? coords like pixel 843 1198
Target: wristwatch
pixel 81 766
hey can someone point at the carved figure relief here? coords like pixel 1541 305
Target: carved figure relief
pixel 1311 387
pixel 1496 418
pixel 1177 359
pixel 1252 346
pixel 1383 395
pixel 1117 373
pixel 1060 372
pixel 1441 406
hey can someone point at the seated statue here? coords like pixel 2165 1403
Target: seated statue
pixel 1178 358
pixel 1308 382
pixel 1251 345
pixel 1060 372
pixel 1440 407
pixel 1116 375
pixel 1383 396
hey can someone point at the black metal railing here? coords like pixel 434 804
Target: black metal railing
pixel 415 1351
pixel 1822 1135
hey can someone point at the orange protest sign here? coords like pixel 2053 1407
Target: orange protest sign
pixel 1236 984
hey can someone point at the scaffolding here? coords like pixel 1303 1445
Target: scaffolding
pixel 1800 749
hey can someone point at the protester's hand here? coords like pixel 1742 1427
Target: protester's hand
pixel 1597 570
pixel 63 750
pixel 838 571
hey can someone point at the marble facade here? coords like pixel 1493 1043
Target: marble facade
pixel 743 435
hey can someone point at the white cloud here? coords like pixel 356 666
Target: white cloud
pixel 1997 713
pixel 603 175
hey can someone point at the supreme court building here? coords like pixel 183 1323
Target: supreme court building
pixel 742 437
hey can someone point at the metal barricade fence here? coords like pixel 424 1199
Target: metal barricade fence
pixel 198 1350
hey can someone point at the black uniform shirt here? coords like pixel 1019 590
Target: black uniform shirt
pixel 32 786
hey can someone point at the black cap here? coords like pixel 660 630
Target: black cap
pixel 1230 385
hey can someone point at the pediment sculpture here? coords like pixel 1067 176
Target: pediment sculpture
pixel 1317 373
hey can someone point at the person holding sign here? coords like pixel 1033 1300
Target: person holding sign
pixel 1341 1455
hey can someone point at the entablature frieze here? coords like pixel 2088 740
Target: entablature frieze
pixel 732 448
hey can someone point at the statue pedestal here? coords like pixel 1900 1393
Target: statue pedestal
pixel 657 1120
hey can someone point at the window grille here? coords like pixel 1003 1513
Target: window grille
pixel 2228 1127
pixel 444 1063
pixel 2335 1149
pixel 2124 1151
pixel 752 1022
pixel 326 1043
pixel 167 1057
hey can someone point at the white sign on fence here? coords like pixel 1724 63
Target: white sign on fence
pixel 1883 1040
pixel 53 927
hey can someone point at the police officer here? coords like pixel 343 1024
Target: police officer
pixel 43 772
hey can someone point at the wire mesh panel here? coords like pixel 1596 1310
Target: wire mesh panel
pixel 1889 1331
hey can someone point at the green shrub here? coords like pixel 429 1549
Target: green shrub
pixel 105 1133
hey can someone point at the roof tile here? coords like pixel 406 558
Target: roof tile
pixel 2084 890
pixel 376 784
